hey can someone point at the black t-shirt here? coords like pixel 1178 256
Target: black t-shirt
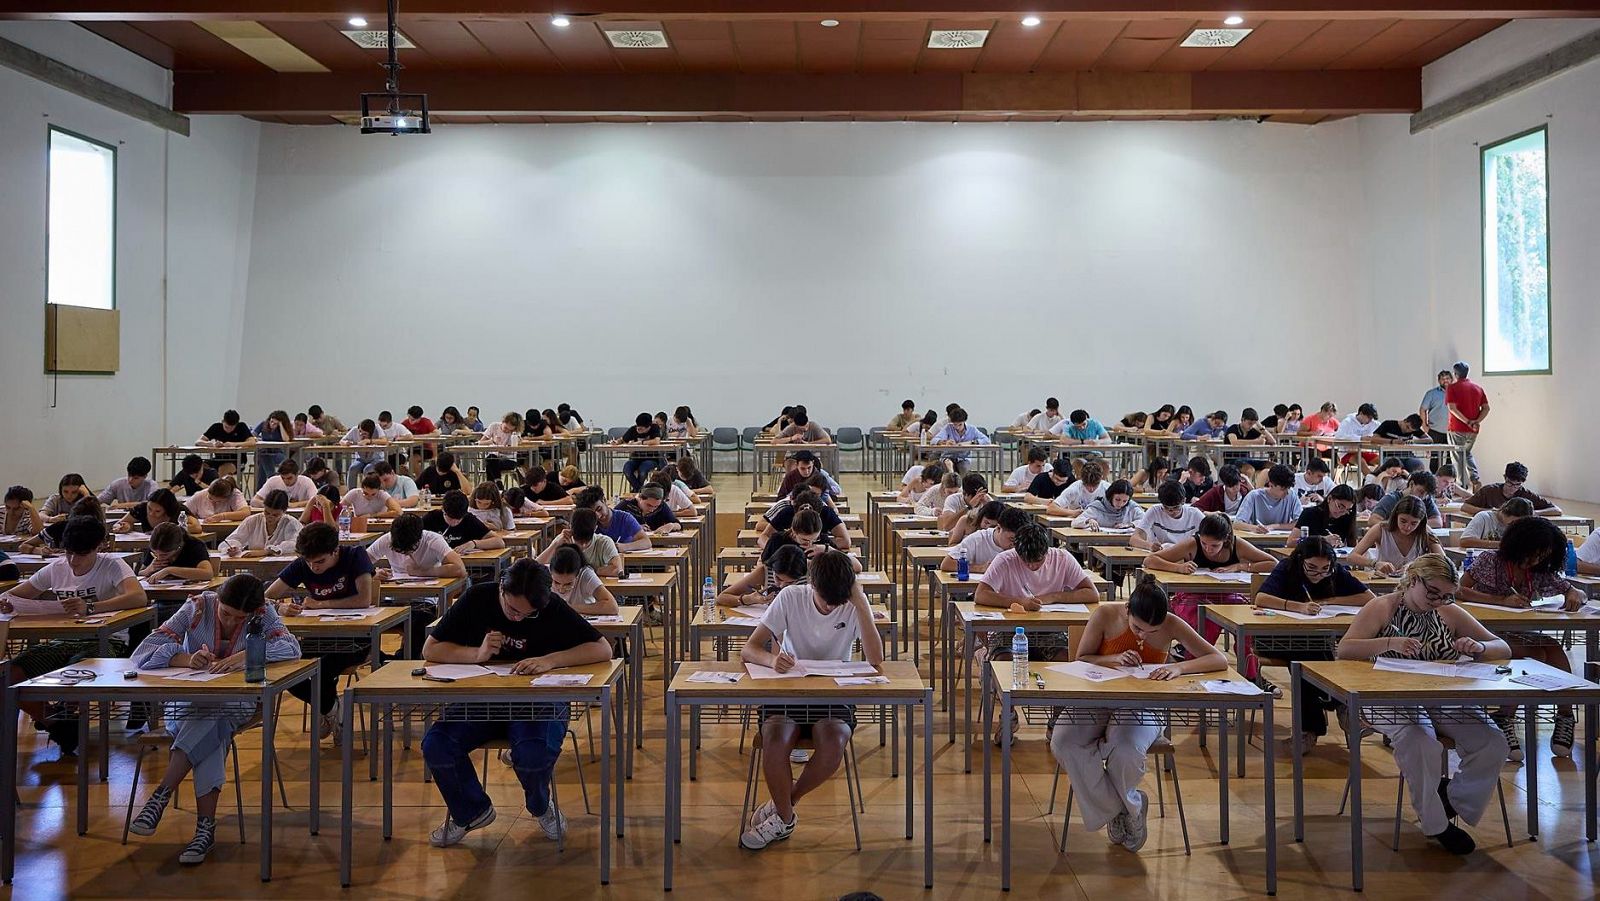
pixel 1316 521
pixel 193 553
pixel 656 520
pixel 782 539
pixel 1393 429
pixel 339 581
pixel 1192 492
pixel 568 486
pixel 477 613
pixel 470 528
pixel 697 482
pixel 550 492
pixel 633 434
pixel 439 482
pixel 220 432
pixel 781 516
pixel 1286 581
pixel 192 486
pixel 535 428
pixel 1238 431
pixel 1044 486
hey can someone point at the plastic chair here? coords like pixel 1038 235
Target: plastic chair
pixel 1166 759
pixel 1446 744
pixel 725 439
pixel 747 442
pixel 154 741
pixel 850 438
pixel 852 782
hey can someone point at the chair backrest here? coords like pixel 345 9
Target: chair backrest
pixel 725 435
pixel 849 435
pixel 616 432
pixel 750 434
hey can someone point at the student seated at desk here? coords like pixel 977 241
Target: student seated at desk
pixel 599 551
pixel 397 485
pixel 1524 568
pixel 1032 573
pixel 919 479
pixel 474 422
pixel 382 433
pixel 1227 495
pixel 288 479
pixel 1284 421
pixel 1313 485
pixel 821 620
pixel 85 581
pixel 570 480
pixel 1247 432
pixel 327 422
pixel 443 476
pixel 1081 428
pixel 1160 422
pixel 1303 582
pixel 1449 490
pixel 326 576
pixel 162 507
pixel 537 486
pixel 490 507
pixel 996 532
pixel 1047 419
pixel 1213 427
pixel 230 432
pixel 1075 497
pixel 175 555
pixel 974 494
pixel 1323 422
pixel 781 565
pixel 270 533
pixel 906 416
pixel 1401 431
pixel 417 423
pixel 1488 526
pixel 801 430
pixel 649 507
pixel 279 428
pixel 1367 499
pixel 1134 421
pixel 1105 761
pixel 1390 475
pixel 1169 521
pixel 324 506
pixel 1181 421
pixel 932 502
pixel 408 549
pixel 1421 621
pixel 923 429
pixel 1113 509
pixel 678 498
pixel 517 621
pixel 305 428
pixel 194 475
pixel 1157 471
pixel 1048 484
pixel 222 501
pixel 1195 480
pixel 1334 519
pixel 681 424
pixel 694 481
pixel 450 422
pixel 1419 485
pixel 1391 543
pixel 207 633
pixel 134 488
pixel 368 500
pixel 619 526
pixel 800 467
pixel 1589 555
pixel 573 580
pixel 957 433
pixel 48 540
pixel 645 433
pixel 1363 423
pixel 1215 548
pixel 780 516
pixel 19 517
pixel 461 530
pixel 1514 485
pixel 976 519
pixel 1273 508
pixel 1023 476
pixel 58 506
pixel 320 473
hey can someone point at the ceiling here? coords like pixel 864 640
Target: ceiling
pixel 506 61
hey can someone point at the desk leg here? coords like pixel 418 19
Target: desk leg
pixel 1530 739
pixel 1005 793
pixel 269 725
pixel 346 786
pixel 1222 771
pixel 672 775
pixel 988 767
pixel 83 770
pixel 1296 688
pixel 105 740
pixel 1270 788
pixel 314 758
pixel 624 747
pixel 1353 740
pixel 1589 776
pixel 927 787
pixel 388 771
pixel 915 603
pixel 605 784
pixel 911 768
pixel 966 667
pixel 8 766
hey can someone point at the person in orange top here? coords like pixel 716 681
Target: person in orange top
pixel 1323 422
pixel 1105 760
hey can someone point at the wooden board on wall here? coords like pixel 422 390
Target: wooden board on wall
pixel 81 339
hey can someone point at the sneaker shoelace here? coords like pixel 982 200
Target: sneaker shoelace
pixel 153 809
pixel 205 831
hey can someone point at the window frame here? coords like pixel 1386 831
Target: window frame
pixel 1483 253
pixel 116 173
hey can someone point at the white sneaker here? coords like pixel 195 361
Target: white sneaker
pixel 766 831
pixel 330 727
pixel 1117 829
pixel 766 809
pixel 553 822
pixel 1138 826
pixel 800 756
pixel 449 833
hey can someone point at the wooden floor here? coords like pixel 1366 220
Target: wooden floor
pixel 512 859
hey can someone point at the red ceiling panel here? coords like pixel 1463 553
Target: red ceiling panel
pixel 443 44
pixel 766 45
pixel 703 45
pixel 196 49
pixel 891 45
pixel 1401 37
pixel 514 45
pixel 131 38
pixel 581 47
pixel 829 49
pixel 1268 41
pixel 1461 35
pixel 1134 54
pixel 1014 48
pixel 323 42
pixel 1331 42
pixel 1078 44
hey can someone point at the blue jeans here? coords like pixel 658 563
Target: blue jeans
pixel 535 746
pixel 636 471
pixel 359 464
pixel 267 463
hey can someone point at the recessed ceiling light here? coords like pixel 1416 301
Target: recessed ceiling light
pixel 1030 21
pixel 357 22
pixel 1233 20
pixel 561 21
pixel 830 23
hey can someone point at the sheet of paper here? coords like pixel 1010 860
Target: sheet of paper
pixel 173 585
pixel 1341 609
pixel 1551 681
pixel 559 679
pixel 752 609
pixel 35 606
pixel 1589 609
pixel 196 675
pixel 611 618
pixel 402 578
pixel 984 614
pixel 1063 608
pixel 500 669
pixel 862 680
pixel 1324 613
pixel 1142 671
pixel 1226 687
pixel 1117 531
pixel 27 558
pixel 1089 671
pixel 750 621
pixel 836 668
pixel 1242 578
pixel 458 670
pixel 758 671
pixel 715 677
pixel 1436 668
pixel 353 612
pixel 1546 603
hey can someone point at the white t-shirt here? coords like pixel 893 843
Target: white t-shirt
pixel 1351 427
pixel 1589 552
pixel 404 487
pixel 1302 487
pixel 103 580
pixel 206 505
pixel 301 491
pixel 582 590
pixel 360 505
pixel 955 503
pixel 912 474
pixel 1020 478
pixel 1044 422
pixel 1486 525
pixel 813 635
pixel 501 519
pixel 932 501
pixel 252 534
pixel 1158 526
pixel 428 554
pixel 680 499
pixel 980 547
pixel 1077 497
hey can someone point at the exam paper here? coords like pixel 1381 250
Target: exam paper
pixel 1242 578
pixel 803 668
pixel 862 680
pixel 353 612
pixel 715 676
pixel 1063 608
pixel 742 621
pixel 458 670
pixel 555 679
pixel 1551 680
pixel 984 614
pixel 612 618
pixel 1089 671
pixel 1436 668
pixel 1226 687
pixel 35 606
pixel 182 674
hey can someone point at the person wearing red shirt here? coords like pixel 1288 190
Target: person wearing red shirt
pixel 1468 407
pixel 418 423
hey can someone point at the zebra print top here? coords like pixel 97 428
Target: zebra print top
pixel 1428 628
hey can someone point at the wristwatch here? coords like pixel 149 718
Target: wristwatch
pixel 88 606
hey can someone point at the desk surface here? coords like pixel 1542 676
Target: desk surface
pixel 396 678
pixel 312 625
pixel 63 625
pixel 904 682
pixel 108 677
pixel 1060 686
pixel 1011 619
pixel 1373 684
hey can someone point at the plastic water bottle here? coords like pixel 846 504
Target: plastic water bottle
pixel 1572 559
pixel 963 566
pixel 255 651
pixel 344 522
pixel 708 600
pixel 1019 658
pixel 426 499
pixel 1467 564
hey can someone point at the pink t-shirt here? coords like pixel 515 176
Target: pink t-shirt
pixel 1008 575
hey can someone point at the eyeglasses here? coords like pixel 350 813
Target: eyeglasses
pixel 1317 571
pixel 1443 599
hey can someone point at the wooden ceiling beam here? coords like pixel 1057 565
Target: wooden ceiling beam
pixel 292 10
pixel 1143 93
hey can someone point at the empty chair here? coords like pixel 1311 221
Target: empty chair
pixel 747 442
pixel 850 438
pixel 726 438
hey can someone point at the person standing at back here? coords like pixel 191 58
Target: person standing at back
pixel 1434 411
pixel 1468 407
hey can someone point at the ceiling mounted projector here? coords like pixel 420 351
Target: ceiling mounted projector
pixel 391 112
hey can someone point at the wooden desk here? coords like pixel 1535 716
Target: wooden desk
pixel 441 591
pixel 663 559
pixel 109 688
pixel 1381 696
pixel 1080 539
pixel 768 451
pixel 905 689
pixel 1116 561
pixel 631 628
pixel 98 628
pixel 674 613
pixel 1196 583
pixel 1135 700
pixel 173 592
pixel 489 563
pixel 482 699
pixel 28 564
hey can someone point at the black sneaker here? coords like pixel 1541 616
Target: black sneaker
pixel 205 836
pixel 64 732
pixel 1444 796
pixel 1455 840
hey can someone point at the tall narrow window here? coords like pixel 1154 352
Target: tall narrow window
pixel 82 223
pixel 1516 255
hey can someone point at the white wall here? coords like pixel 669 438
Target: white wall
pixel 846 266
pixel 1422 195
pixel 93 424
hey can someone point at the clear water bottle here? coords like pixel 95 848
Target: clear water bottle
pixel 255 651
pixel 1572 559
pixel 708 600
pixel 963 565
pixel 344 521
pixel 1019 658
pixel 425 498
